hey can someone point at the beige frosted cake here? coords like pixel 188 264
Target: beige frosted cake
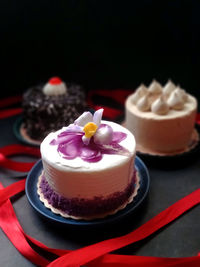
pixel 162 119
pixel 88 168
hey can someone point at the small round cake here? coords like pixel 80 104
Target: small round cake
pixel 88 168
pixel 162 119
pixel 49 107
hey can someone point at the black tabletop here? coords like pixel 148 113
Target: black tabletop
pixel 168 185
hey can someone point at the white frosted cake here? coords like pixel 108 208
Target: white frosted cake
pixel 88 168
pixel 162 119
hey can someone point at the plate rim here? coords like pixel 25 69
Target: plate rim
pixel 131 207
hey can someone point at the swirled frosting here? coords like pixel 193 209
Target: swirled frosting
pixel 143 103
pixel 155 87
pixel 160 106
pixel 55 86
pixel 168 88
pixel 175 100
pixel 141 91
pixel 159 100
pixel 181 92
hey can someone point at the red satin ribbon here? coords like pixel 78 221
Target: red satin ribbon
pixel 119 95
pixel 11 227
pixel 11 190
pixel 8 102
pixel 96 255
pixel 11 150
pixel 84 255
pixel 198 118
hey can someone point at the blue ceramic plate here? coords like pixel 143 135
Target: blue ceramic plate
pixel 31 193
pixel 18 125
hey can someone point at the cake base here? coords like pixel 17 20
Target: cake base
pixel 21 134
pixel 26 137
pixel 192 144
pixel 195 139
pixel 97 216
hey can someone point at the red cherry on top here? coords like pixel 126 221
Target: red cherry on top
pixel 55 81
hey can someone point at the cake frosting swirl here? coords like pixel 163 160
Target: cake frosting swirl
pixel 155 87
pixel 169 97
pixel 143 103
pixel 159 106
pixel 176 100
pixel 168 88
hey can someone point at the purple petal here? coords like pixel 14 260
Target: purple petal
pixel 72 142
pixel 118 137
pixel 73 128
pixel 84 119
pixel 66 133
pixel 70 150
pixel 65 137
pixel 90 154
pixel 97 116
pixel 53 142
pixel 114 148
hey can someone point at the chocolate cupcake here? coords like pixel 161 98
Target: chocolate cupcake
pixel 51 106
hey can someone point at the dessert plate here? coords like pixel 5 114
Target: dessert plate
pixel 21 135
pixel 31 193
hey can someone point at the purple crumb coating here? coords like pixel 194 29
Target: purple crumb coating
pixel 86 207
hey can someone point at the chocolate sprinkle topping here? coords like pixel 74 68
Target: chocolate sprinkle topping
pixel 44 114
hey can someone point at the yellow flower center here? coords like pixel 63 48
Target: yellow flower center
pixel 90 129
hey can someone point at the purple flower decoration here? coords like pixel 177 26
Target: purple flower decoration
pixel 88 139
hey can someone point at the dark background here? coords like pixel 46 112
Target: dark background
pixel 99 44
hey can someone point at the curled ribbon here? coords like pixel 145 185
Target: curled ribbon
pixel 8 102
pixel 118 95
pixel 198 118
pixel 97 255
pixel 16 149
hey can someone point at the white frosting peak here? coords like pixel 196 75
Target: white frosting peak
pixel 155 87
pixel 168 88
pixel 159 106
pixel 175 101
pixel 181 93
pixel 55 89
pixel 143 103
pixel 158 99
pixel 140 91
